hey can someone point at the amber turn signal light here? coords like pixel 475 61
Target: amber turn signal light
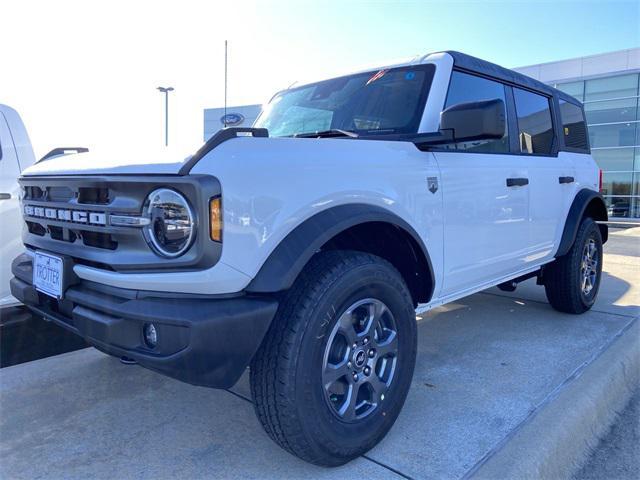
pixel 215 219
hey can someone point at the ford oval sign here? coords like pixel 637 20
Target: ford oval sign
pixel 232 119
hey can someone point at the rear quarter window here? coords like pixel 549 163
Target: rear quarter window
pixel 574 127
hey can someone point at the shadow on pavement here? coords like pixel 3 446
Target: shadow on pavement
pixel 25 337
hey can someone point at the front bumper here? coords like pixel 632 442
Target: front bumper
pixel 205 341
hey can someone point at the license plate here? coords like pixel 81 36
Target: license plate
pixel 47 274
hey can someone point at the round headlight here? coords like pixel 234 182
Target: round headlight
pixel 172 225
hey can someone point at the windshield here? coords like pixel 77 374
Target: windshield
pixel 381 101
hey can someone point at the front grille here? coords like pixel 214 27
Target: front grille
pixel 71 216
pixel 73 212
pixel 64 234
pixel 33 193
pixel 93 195
pixel 35 228
pixel 99 240
pixel 59 194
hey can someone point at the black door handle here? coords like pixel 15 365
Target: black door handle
pixel 517 182
pixel 566 179
pixel 5 196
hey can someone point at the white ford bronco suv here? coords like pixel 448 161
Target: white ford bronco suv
pixel 304 246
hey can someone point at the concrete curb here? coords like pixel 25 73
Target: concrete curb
pixel 559 434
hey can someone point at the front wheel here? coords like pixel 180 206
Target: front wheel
pixel 572 281
pixel 335 368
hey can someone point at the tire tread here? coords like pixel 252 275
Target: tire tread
pixel 561 276
pixel 272 376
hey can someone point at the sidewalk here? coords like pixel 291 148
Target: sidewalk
pixel 489 367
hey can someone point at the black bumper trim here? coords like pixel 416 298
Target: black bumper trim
pixel 206 342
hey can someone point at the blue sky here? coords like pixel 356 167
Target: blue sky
pixel 513 33
pixel 85 73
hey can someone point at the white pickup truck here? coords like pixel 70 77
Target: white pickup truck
pixel 16 154
pixel 304 246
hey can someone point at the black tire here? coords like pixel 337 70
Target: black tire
pixel 563 279
pixel 287 382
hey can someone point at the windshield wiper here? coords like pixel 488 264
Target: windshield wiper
pixel 334 132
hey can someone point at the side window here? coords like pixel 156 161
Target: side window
pixel 469 88
pixel 574 127
pixel 535 129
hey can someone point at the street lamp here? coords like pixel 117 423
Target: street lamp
pixel 166 91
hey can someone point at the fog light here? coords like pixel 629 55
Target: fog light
pixel 150 335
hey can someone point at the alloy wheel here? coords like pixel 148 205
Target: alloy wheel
pixel 360 360
pixel 589 267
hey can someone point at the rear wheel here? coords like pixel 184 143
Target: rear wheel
pixel 333 372
pixel 572 281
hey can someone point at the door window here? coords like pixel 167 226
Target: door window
pixel 535 128
pixel 465 88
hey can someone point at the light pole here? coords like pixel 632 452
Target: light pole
pixel 166 91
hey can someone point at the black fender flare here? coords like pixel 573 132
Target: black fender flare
pixel 287 260
pixel 586 201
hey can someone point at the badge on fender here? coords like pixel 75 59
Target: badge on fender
pixel 432 183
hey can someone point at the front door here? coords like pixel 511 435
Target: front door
pixel 486 210
pixel 485 199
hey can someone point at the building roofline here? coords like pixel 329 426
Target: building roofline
pixel 583 57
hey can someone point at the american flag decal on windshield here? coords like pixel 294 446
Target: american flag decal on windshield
pixel 376 76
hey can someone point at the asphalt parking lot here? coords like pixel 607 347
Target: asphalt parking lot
pixel 486 364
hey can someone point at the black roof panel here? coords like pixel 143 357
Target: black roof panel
pixel 473 64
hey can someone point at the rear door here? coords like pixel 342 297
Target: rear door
pixel 552 176
pixel 539 146
pixel 485 198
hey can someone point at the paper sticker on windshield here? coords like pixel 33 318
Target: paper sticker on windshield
pixel 377 76
pixel 410 75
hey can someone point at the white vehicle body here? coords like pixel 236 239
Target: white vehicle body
pixel 16 155
pixel 303 246
pixel 478 231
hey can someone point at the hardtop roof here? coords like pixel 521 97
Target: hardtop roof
pixel 477 65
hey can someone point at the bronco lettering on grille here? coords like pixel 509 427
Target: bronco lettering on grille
pixel 73 216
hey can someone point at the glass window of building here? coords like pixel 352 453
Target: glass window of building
pixel 621 86
pixel 574 126
pixel 575 89
pixel 465 88
pixel 617 183
pixel 615 159
pixel 613 135
pixel 620 207
pixel 535 128
pixel 611 111
pixel 613 114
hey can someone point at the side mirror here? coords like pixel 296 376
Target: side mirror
pixel 469 121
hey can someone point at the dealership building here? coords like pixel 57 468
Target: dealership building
pixel 607 84
pixel 236 116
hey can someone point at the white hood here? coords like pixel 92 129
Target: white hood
pixel 165 161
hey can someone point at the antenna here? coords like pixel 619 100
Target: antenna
pixel 225 84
